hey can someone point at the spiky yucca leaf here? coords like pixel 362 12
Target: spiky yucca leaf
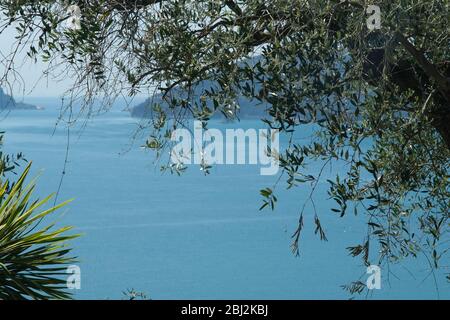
pixel 33 259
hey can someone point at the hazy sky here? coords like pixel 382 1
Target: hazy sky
pixel 31 82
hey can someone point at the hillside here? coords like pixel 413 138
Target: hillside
pixel 8 102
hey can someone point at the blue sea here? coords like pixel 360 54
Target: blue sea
pixel 192 236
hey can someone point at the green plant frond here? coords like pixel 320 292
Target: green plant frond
pixel 48 211
pixel 32 262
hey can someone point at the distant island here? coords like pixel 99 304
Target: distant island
pixel 246 109
pixel 8 103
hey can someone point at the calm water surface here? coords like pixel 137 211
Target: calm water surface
pixel 190 237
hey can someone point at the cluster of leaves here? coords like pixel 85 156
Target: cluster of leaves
pixel 378 100
pixel 9 162
pixel 132 294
